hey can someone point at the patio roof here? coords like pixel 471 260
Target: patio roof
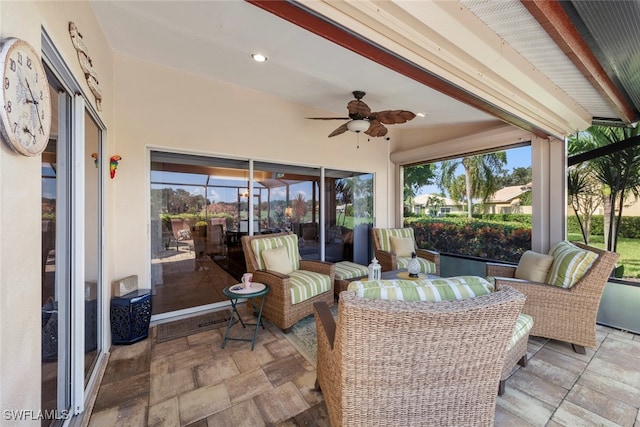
pixel 545 66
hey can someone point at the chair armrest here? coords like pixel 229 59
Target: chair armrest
pixel 324 321
pixel 500 270
pixel 386 259
pixel 432 256
pixel 269 276
pixel 427 254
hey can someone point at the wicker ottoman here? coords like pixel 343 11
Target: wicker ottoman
pixel 347 272
pixel 517 350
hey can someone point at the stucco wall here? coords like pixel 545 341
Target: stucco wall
pixel 168 109
pixel 143 106
pixel 20 204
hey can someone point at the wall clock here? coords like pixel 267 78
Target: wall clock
pixel 25 116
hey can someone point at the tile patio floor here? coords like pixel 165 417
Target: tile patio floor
pixel 192 381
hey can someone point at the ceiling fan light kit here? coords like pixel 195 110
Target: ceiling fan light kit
pixel 358 125
pixel 362 119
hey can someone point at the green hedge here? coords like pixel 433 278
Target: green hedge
pixel 496 236
pixel 495 240
pixel 629 226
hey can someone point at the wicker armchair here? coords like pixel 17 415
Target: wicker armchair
pixel 278 305
pixel 562 314
pixel 414 363
pixel 388 260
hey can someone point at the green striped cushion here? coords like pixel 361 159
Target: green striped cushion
pixel 290 242
pixel 350 270
pixel 443 289
pixel 426 266
pixel 307 284
pixel 384 233
pixel 524 323
pixel 569 264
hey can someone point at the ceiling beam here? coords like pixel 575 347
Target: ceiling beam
pixel 313 22
pixel 555 21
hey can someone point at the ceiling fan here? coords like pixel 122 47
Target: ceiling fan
pixel 362 119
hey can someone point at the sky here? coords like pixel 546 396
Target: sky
pixel 516 158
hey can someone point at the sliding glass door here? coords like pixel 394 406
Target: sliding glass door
pixel 201 207
pixel 71 255
pixel 349 216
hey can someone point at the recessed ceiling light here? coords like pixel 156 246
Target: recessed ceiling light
pixel 258 57
pixel 421 114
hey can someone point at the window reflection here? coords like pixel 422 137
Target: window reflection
pixel 91 244
pixel 194 199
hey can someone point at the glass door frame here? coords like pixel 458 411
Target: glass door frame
pixel 73 390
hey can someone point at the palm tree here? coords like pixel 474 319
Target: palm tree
pixel 585 195
pixel 481 174
pixel 618 172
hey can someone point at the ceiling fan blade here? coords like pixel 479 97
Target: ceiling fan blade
pixel 391 117
pixel 328 118
pixel 358 109
pixel 342 129
pixel 376 129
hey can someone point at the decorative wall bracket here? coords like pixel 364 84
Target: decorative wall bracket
pixel 86 64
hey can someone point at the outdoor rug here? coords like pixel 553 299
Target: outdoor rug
pixel 193 325
pixel 303 336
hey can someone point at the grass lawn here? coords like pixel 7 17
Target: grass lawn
pixel 629 250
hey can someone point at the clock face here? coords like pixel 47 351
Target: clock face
pixel 25 113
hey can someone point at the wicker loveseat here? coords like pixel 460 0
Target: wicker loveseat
pixel 389 259
pixel 291 295
pixel 399 363
pixel 562 313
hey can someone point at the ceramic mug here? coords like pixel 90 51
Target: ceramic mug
pixel 246 280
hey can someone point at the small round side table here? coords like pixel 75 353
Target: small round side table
pixel 237 292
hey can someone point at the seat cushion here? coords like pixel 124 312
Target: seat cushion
pixel 533 267
pixel 350 270
pixel 426 266
pixel 569 264
pixel 523 326
pixel 385 233
pixel 290 242
pixel 443 289
pixel 307 284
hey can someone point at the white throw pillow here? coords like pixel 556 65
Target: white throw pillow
pixel 277 259
pixel 401 246
pixel 533 267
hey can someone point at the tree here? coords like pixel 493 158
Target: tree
pixel 416 177
pixel 618 172
pixel 481 174
pixel 300 207
pixel 433 205
pixel 518 176
pixel 585 196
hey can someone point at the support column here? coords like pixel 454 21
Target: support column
pixel 548 166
